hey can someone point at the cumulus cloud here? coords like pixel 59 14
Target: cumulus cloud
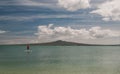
pixel 74 5
pixel 110 10
pixel 67 33
pixel 1 31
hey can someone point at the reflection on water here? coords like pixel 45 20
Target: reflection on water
pixel 60 60
pixel 28 51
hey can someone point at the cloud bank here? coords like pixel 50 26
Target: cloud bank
pixel 1 31
pixel 47 33
pixel 24 3
pixel 110 10
pixel 74 5
pixel 32 3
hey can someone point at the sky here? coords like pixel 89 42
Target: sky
pixel 82 21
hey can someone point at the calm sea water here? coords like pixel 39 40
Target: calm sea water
pixel 60 60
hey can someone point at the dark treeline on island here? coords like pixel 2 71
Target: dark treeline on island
pixel 65 43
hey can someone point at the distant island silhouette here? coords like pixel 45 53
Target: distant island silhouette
pixel 66 43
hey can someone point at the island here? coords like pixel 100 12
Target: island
pixel 66 43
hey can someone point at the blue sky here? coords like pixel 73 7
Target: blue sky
pixel 21 21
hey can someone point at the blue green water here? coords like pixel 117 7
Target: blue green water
pixel 60 60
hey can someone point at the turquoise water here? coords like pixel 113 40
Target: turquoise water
pixel 60 60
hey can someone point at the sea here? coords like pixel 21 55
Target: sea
pixel 14 59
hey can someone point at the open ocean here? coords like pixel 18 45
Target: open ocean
pixel 60 60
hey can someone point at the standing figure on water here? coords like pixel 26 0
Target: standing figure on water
pixel 28 50
pixel 28 46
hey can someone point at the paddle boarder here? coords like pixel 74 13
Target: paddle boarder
pixel 28 47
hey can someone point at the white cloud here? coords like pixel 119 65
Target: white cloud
pixel 50 33
pixel 110 10
pixel 32 3
pixel 1 31
pixel 23 18
pixel 27 3
pixel 74 5
pixel 12 39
